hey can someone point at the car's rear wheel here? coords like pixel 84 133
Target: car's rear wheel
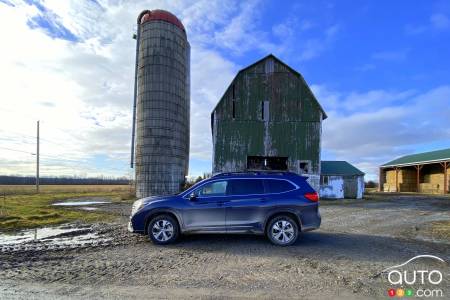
pixel 163 230
pixel 282 231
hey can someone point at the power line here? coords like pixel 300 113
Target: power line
pixel 48 157
pixel 17 150
pixel 26 136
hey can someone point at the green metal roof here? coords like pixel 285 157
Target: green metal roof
pixel 338 167
pixel 426 157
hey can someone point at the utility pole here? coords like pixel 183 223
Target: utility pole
pixel 37 159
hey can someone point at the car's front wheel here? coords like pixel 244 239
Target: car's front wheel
pixel 163 230
pixel 282 231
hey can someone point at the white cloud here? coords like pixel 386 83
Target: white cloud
pixel 437 22
pixel 392 56
pixel 241 34
pixel 82 91
pixel 440 21
pixel 385 124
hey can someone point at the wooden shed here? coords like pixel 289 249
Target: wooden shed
pixel 427 172
pixel 340 179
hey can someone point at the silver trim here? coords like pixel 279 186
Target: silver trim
pixel 226 179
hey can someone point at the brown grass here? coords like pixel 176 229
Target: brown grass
pixel 21 207
pixel 50 189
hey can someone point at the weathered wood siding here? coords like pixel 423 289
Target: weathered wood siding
pixel 292 129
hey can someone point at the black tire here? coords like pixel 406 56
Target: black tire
pixel 284 236
pixel 169 233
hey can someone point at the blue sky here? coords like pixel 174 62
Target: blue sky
pixel 380 69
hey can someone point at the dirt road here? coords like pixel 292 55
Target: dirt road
pixel 355 242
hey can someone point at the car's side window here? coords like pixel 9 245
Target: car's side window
pixel 278 186
pixel 246 187
pixel 216 188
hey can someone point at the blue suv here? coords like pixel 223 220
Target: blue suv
pixel 277 204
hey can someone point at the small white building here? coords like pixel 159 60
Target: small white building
pixel 339 180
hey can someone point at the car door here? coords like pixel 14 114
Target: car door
pixel 246 206
pixel 206 211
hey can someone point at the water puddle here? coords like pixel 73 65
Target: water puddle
pixel 66 236
pixel 37 234
pixel 80 203
pixel 89 208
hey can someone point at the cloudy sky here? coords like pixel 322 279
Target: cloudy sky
pixel 380 69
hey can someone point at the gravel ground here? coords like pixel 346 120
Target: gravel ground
pixel 355 242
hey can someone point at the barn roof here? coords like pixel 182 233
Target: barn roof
pixel 425 157
pixel 324 115
pixel 338 167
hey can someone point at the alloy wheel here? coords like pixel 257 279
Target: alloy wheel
pixel 162 230
pixel 282 231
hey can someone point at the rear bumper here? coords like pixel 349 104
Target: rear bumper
pixel 311 222
pixel 310 227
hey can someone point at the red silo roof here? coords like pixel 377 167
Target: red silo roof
pixel 159 14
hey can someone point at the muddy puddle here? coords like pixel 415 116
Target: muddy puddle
pixel 80 203
pixel 58 237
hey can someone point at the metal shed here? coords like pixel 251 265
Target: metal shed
pixel 427 172
pixel 268 119
pixel 340 179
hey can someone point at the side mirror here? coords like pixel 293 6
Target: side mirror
pixel 192 197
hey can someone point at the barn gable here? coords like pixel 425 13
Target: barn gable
pixel 268 118
pixel 296 100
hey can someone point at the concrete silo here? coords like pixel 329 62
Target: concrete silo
pixel 162 104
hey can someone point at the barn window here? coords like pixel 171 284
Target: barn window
pixel 305 166
pixel 234 92
pixel 324 180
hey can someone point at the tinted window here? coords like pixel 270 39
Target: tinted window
pixel 278 186
pixel 217 188
pixel 246 186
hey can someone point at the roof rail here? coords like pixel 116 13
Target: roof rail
pixel 254 172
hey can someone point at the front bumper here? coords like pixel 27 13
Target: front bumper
pixel 130 227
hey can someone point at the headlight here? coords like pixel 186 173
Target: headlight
pixel 137 205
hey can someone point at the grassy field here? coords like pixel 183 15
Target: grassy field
pixel 20 209
pixel 51 189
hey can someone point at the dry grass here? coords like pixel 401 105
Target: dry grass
pixel 21 207
pixel 50 189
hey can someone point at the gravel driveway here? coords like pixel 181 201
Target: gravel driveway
pixel 355 242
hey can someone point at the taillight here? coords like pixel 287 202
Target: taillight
pixel 312 196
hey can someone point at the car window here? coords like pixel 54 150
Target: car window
pixel 278 186
pixel 217 188
pixel 246 186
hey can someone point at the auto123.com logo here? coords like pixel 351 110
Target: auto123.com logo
pixel 407 280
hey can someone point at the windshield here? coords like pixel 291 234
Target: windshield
pixel 192 187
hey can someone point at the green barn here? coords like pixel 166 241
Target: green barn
pixel 268 119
